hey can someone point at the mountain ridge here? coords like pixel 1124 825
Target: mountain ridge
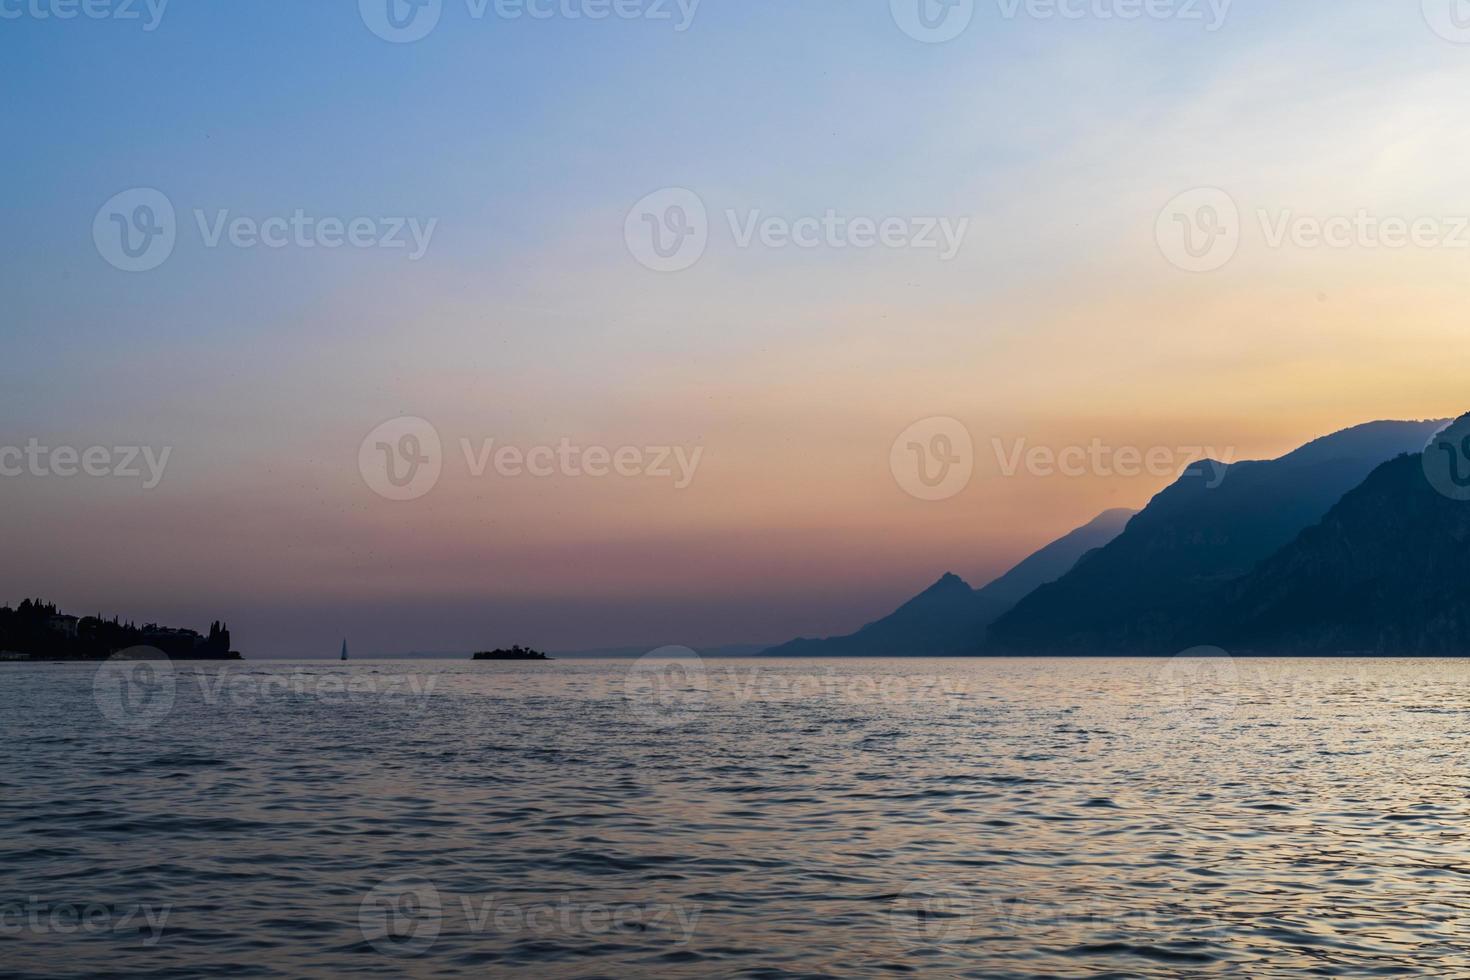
pixel 1386 572
pixel 1134 594
pixel 949 618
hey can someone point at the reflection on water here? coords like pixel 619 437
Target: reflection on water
pixel 736 817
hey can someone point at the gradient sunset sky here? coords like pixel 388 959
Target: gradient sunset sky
pixel 528 320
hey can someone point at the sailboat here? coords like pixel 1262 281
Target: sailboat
pixel 344 648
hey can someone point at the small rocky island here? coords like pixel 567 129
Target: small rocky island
pixel 514 653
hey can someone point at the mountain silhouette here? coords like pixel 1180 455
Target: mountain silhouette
pixel 1158 578
pixel 1386 572
pixel 1058 558
pixel 949 618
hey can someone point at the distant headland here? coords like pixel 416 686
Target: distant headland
pixel 37 630
pixel 514 653
pixel 1350 545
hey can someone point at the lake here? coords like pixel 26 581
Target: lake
pixel 683 817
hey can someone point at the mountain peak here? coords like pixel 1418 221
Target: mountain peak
pixel 948 582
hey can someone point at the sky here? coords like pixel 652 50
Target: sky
pixel 893 275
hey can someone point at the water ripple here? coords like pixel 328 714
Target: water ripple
pixel 1006 818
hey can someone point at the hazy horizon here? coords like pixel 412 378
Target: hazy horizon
pixel 458 619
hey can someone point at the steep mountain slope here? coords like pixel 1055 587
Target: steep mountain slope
pixel 1057 558
pixel 949 617
pixel 1210 527
pixel 945 619
pixel 1387 571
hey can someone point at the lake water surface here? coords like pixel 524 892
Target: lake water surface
pixel 989 818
